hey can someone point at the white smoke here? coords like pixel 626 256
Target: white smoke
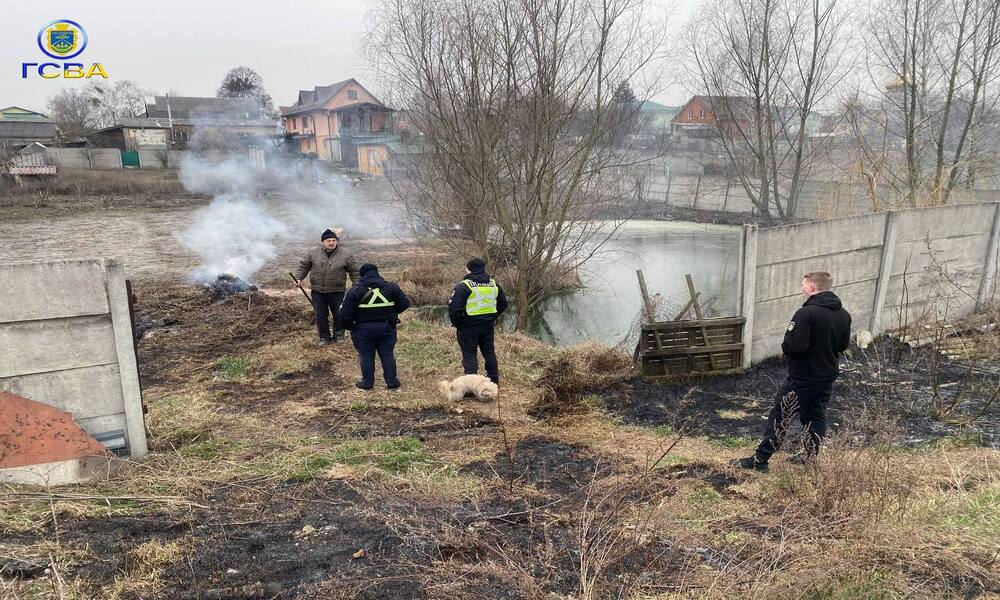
pixel 232 235
pixel 257 211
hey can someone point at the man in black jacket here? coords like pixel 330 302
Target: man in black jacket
pixel 814 339
pixel 475 305
pixel 370 311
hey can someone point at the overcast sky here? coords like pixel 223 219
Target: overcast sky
pixel 187 46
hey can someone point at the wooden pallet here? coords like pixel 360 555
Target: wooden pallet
pixel 696 347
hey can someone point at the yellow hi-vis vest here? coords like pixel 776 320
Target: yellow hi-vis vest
pixel 482 298
pixel 374 299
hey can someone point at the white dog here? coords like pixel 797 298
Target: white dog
pixel 482 387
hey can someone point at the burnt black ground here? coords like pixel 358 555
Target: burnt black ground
pixel 886 384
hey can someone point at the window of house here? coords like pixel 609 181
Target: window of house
pixel 690 114
pixel 701 113
pixel 352 94
pixel 305 122
pixel 291 122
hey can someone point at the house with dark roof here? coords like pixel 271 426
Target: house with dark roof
pixel 20 127
pixel 233 117
pixel 342 123
pixel 133 133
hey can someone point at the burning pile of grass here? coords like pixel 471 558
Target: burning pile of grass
pixel 581 370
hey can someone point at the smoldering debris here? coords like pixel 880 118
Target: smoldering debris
pixel 226 285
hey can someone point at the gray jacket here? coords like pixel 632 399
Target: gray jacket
pixel 328 271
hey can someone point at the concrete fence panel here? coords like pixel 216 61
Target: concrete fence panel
pixel 939 260
pixel 106 158
pixel 849 248
pixel 891 269
pixel 153 159
pixel 70 346
pixel 70 158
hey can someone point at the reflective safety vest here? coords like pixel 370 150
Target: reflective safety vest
pixel 373 298
pixel 482 298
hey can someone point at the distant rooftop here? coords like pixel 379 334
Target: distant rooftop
pixel 650 106
pixel 192 106
pixel 16 113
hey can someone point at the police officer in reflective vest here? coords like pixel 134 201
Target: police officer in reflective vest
pixel 370 311
pixel 475 305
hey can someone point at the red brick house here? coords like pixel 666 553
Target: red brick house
pixel 342 123
pixel 720 113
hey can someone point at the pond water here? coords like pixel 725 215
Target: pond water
pixel 608 305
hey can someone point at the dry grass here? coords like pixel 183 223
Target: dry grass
pixel 576 372
pixel 429 278
pixel 654 516
pixel 106 183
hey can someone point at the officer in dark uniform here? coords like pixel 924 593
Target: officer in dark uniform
pixel 370 311
pixel 475 305
pixel 814 339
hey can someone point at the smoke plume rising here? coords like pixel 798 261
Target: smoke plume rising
pixel 259 210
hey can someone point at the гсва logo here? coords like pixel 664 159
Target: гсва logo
pixel 62 39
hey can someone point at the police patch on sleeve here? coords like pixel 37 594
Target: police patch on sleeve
pixel 791 325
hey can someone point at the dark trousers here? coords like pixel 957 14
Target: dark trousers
pixel 369 339
pixel 810 404
pixel 474 339
pixel 326 303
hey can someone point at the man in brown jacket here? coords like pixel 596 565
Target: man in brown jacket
pixel 328 267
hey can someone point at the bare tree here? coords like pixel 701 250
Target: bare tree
pixel 513 101
pixel 934 71
pixel 73 112
pixel 113 102
pixel 767 66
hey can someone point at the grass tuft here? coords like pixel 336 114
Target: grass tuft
pixel 232 367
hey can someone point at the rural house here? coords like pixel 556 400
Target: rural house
pixel 712 113
pixel 171 122
pixel 342 123
pixel 240 118
pixel 20 127
pixel 132 134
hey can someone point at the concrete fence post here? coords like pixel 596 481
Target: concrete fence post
pixel 987 286
pixel 127 366
pixel 884 272
pixel 748 288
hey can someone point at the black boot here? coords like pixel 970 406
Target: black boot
pixel 750 462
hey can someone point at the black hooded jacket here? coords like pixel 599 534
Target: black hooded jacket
pixel 456 305
pixel 815 337
pixel 351 313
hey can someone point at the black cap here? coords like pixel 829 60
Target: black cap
pixel 365 268
pixel 475 264
pixel 328 234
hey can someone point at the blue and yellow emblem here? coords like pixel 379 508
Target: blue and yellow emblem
pixel 62 39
